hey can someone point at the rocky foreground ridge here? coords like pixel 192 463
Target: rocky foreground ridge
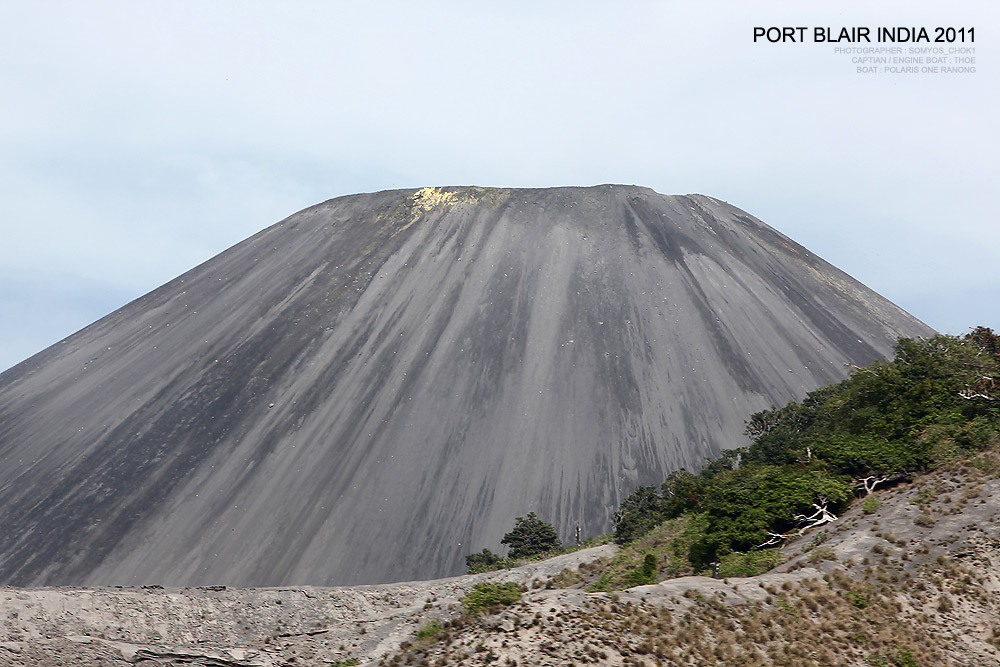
pixel 909 577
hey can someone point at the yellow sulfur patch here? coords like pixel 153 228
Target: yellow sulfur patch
pixel 425 199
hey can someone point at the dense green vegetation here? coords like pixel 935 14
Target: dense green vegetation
pixel 934 403
pixel 667 548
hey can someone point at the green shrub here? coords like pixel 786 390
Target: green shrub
pixel 750 563
pixel 645 508
pixel 530 537
pixel 859 600
pixel 668 544
pixel 603 584
pixel 985 465
pixel 822 553
pixel 638 514
pixel 871 504
pixel 430 630
pixel 485 561
pixel 786 606
pixel 925 496
pixel 489 595
pixel 905 659
pixel 566 578
pixel 644 574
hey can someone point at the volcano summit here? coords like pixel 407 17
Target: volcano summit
pixel 377 385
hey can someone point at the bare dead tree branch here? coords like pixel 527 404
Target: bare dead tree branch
pixel 772 539
pixel 980 390
pixel 821 516
pixel 864 486
pixel 968 395
pixel 869 483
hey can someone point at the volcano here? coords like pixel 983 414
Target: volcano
pixel 377 385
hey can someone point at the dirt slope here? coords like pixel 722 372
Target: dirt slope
pixel 914 582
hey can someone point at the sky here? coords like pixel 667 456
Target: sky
pixel 139 139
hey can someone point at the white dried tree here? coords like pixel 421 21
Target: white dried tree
pixel 820 517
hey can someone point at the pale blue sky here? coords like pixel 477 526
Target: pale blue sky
pixel 140 139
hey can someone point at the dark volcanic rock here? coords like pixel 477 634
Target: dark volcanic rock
pixel 378 385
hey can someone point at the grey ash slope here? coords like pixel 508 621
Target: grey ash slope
pixel 377 385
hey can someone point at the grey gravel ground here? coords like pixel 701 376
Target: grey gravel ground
pixel 257 626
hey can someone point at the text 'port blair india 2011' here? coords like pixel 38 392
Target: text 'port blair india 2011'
pixel 865 34
pixel 887 50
